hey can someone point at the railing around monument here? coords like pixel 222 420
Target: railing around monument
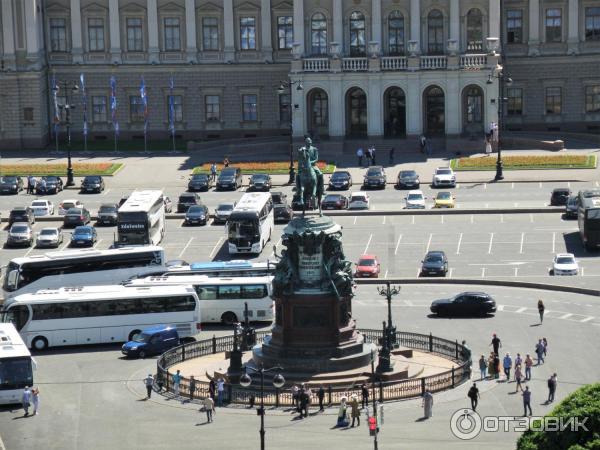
pixel 385 391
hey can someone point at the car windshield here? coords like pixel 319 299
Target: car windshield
pixel 408 174
pixel 19 229
pixel 48 232
pixel 74 212
pixel 332 198
pixel 141 337
pixel 225 207
pixel 277 197
pixel 415 196
pixel 444 196
pixel 51 179
pixel 359 198
pixel 444 171
pixel 38 203
pixel 433 258
pixel 374 172
pixel 565 260
pixel 68 205
pixel 196 209
pixel 561 193
pixel 339 176
pixel 82 230
pixel 366 262
pixel 92 179
pixel 187 198
pixel 8 180
pixel 200 177
pixel 572 201
pixel 259 177
pixel 228 173
pixel 108 209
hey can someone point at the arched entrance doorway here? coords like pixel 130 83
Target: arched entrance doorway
pixel 394 112
pixel 318 113
pixel 435 111
pixel 356 112
pixel 472 107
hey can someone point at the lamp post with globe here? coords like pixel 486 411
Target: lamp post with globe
pixel 283 88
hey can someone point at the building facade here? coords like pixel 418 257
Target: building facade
pixel 359 68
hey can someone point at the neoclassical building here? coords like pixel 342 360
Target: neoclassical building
pixel 358 68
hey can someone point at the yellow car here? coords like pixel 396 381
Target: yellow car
pixel 443 200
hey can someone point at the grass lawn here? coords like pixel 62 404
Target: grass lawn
pixel 526 162
pixel 79 169
pixel 270 167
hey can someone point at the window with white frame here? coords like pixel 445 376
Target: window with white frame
pixel 285 32
pixel 592 99
pixel 553 100
pixel 135 37
pixel 592 24
pixel 58 35
pixel 99 109
pixel 247 33
pixel 318 34
pixel 172 34
pixel 96 34
pixel 210 33
pixel 249 110
pixel 212 106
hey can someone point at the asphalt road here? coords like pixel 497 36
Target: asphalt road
pixel 92 399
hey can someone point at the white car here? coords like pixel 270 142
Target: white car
pixel 415 200
pixel 359 200
pixel 42 208
pixel 49 237
pixel 443 176
pixel 65 205
pixel 565 264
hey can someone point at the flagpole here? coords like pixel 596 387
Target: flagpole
pixel 172 114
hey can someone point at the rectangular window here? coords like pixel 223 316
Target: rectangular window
pixel 515 101
pixel 248 33
pixel 554 25
pixel 285 32
pixel 592 99
pixel 58 35
pixel 135 40
pixel 592 24
pixel 514 26
pixel 96 35
pixel 285 108
pixel 177 107
pixel 229 292
pixel 99 114
pixel 249 107
pixel 210 33
pixel 28 114
pixel 254 291
pixel 206 292
pixel 172 34
pixel 136 109
pixel 553 100
pixel 212 106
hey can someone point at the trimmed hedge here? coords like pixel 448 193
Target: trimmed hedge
pixel 60 170
pixel 526 162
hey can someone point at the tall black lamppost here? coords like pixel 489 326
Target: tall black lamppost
pixel 503 79
pixel 282 89
pixel 278 382
pixel 67 107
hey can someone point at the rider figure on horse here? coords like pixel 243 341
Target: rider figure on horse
pixel 313 156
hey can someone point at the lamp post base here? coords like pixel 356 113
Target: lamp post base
pixel 499 176
pixel 70 180
pixel 292 179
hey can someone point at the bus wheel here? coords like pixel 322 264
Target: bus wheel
pixel 40 343
pixel 132 334
pixel 229 318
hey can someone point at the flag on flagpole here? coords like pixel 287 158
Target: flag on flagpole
pixel 171 107
pixel 113 103
pixel 144 98
pixel 84 101
pixel 56 118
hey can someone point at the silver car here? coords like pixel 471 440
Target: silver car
pixel 223 212
pixel 49 237
pixel 20 233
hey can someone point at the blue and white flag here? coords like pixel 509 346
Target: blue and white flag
pixel 113 104
pixel 84 101
pixel 56 118
pixel 144 98
pixel 171 107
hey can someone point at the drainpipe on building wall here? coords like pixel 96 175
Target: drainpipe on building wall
pixel 49 114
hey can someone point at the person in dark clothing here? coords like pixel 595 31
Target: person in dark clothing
pixel 552 381
pixel 496 344
pixel 391 156
pixel 321 396
pixel 192 387
pixel 212 387
pixel 304 401
pixel 474 396
pixel 365 395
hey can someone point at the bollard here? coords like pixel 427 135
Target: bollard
pixel 452 376
pixel 422 386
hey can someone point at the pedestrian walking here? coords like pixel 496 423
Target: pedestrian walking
pixel 518 361
pixel 545 342
pixel 212 387
pixel 209 407
pixel 391 156
pixel 422 143
pixel 364 392
pixel 213 171
pixel 26 400
pixel 304 399
pixel 428 148
pixel 35 400
pixel 527 401
pixel 29 184
pixel 496 366
pixel 427 405
pixel 321 396
pixel 359 155
pixel 373 158
pixel 368 155
pixel 177 382
pixel 355 412
pixel 491 367
pixel 496 344
pixel 541 309
pixel 507 364
pixel 539 351
pixel 518 378
pixel 473 394
pixel 192 387
pixel 342 418
pixel 226 161
pixel 220 391
pixel 483 367
pixel 528 364
pixel 488 147
pixel 296 397
pixel 149 382
pixel 552 382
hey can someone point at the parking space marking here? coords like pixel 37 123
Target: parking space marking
pixel 383 223
pixel 397 245
pixel 442 218
pixel 98 243
pixel 355 217
pixel 429 242
pixel 29 251
pixel 499 307
pixel 531 217
pixel 512 185
pixel 413 220
pixel 501 218
pixel 408 303
pixel 516 272
pixel 483 272
pixel 565 316
pixel 450 272
pixel 522 241
pixel 216 247
pixel 386 273
pixel 540 184
pixel 522 309
pixel 186 246
pixel 587 319
pixel 65 245
pixel 491 241
pixel 553 242
pixel 471 218
pixel 368 243
pixel 458 246
pixel 582 274
pixel 106 191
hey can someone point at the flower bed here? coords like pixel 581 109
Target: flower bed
pixel 79 169
pixel 270 167
pixel 525 162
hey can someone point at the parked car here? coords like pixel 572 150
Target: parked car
pixel 443 177
pixel 368 266
pixel 334 201
pixel 92 183
pixel 359 200
pixel 443 199
pixel 20 234
pixel 151 341
pixel 434 263
pixel 229 178
pixel 21 214
pixel 572 206
pixel 223 212
pixel 375 178
pixel 340 180
pixel 66 205
pixel 186 200
pixel 76 216
pixel 11 185
pixel 107 214
pixel 200 182
pixel 560 196
pixel 42 207
pixel 168 204
pixel 408 179
pixel 49 185
pixel 49 237
pixel 283 212
pixel 415 200
pixel 84 236
pixel 279 198
pixel 260 182
pixel 465 303
pixel 196 215
pixel 565 264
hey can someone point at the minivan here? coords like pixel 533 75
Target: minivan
pixel 151 341
pixel 229 178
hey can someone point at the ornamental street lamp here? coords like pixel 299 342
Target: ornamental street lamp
pixel 283 88
pixel 67 107
pixel 278 382
pixel 503 79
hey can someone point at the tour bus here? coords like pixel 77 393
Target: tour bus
pixel 222 299
pixel 53 269
pixel 141 219
pixel 588 218
pixel 16 365
pixel 251 223
pixel 233 268
pixel 100 314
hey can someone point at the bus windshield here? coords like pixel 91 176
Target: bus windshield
pixel 244 229
pixel 15 373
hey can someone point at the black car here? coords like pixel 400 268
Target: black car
pixel 92 183
pixel 571 207
pixel 76 217
pixel 200 182
pixel 107 214
pixel 11 185
pixel 196 215
pixel 434 263
pixel 408 179
pixel 48 185
pixel 21 214
pixel 279 198
pixel 465 303
pixel 334 201
pixel 283 212
pixel 186 200
pixel 560 196
pixel 260 182
pixel 229 178
pixel 340 180
pixel 375 178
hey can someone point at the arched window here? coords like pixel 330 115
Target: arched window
pixel 320 109
pixel 474 30
pixel 396 33
pixel 357 34
pixel 318 34
pixel 435 33
pixel 474 105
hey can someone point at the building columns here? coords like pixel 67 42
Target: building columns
pixel 153 49
pixel 31 27
pixel 338 25
pixel 77 45
pixel 374 108
pixel 534 27
pixel 299 27
pixel 114 30
pixel 573 40
pixel 453 106
pixel 337 108
pixel 415 23
pixel 414 101
pixel 494 20
pixel 265 20
pixel 190 30
pixel 228 30
pixel 455 22
pixel 8 35
pixel 376 35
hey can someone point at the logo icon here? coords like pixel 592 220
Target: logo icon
pixel 465 424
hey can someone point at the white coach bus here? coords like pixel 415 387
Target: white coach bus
pixel 141 219
pixel 16 365
pixel 251 223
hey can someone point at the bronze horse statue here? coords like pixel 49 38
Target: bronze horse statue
pixel 309 184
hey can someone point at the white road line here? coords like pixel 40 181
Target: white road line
pixel 499 307
pixel 98 243
pixel 29 251
pixel 450 272
pixel 516 204
pixel 582 272
pixel 65 245
pixel 408 303
pixel 383 220
pixel 276 245
pixel 418 272
pixel 216 247
pixel 471 218
pixel 485 185
pixel 368 243
pixel 516 272
pixel 491 241
pixel 487 205
pixel 540 184
pixel 185 248
pixel 587 319
pixel 522 242
pixel 554 242
pixel 501 218
pixel 483 272
pixel 429 242
pixel 522 309
pixel 442 217
pixel 355 217
pixel 413 220
pixel 565 316
pixel 569 184
pixel 397 245
pixel 106 191
pixel 458 246
pixel 512 185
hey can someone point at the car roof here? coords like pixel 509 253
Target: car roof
pixel 50 228
pixel 367 257
pixel 25 224
pixel 435 252
pixel 415 191
pixel 563 189
pixel 478 293
pixel 359 193
pixel 69 200
pixel 375 167
pixel 341 172
pixel 443 168
pixel 193 207
pixel 565 255
pixel 226 204
pixel 112 205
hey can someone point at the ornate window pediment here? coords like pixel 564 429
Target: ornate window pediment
pixel 133 8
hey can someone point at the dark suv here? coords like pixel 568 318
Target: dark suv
pixel 49 185
pixel 76 216
pixel 107 214
pixel 21 214
pixel 375 178
pixel 229 178
pixel 560 196
pixel 434 263
pixel 92 183
pixel 200 182
pixel 186 200
pixel 11 185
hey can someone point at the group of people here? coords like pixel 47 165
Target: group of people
pixel 32 184
pixel 301 398
pixel 369 155
pixel 31 398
